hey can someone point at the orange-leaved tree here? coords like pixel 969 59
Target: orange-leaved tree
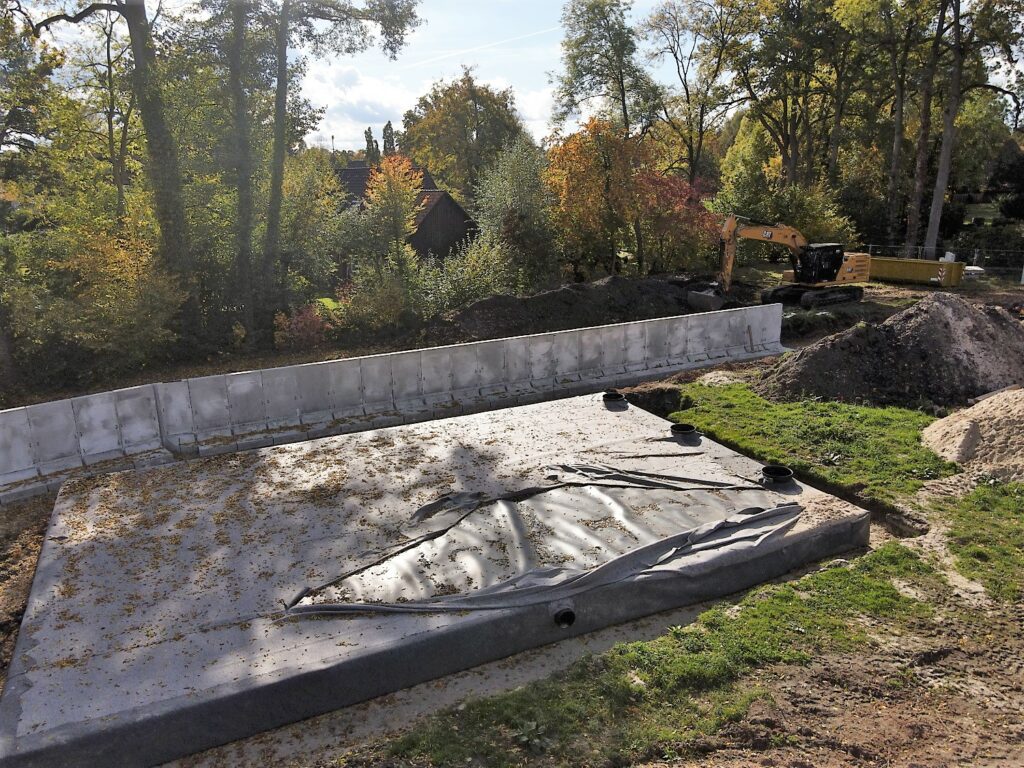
pixel 590 174
pixel 392 204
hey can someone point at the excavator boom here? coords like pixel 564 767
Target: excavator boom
pixel 821 273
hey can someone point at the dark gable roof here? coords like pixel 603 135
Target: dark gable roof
pixel 427 200
pixel 356 176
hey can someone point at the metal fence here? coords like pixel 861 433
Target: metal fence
pixel 1006 265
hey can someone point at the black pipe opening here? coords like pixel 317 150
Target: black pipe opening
pixel 564 618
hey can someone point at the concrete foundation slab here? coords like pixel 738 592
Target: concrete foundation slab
pixel 189 605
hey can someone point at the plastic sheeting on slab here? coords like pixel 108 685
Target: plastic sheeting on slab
pixel 157 623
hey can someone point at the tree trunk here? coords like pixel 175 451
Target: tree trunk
pixel 949 114
pixel 8 369
pixel 834 138
pixel 924 133
pixel 163 168
pixel 892 195
pixel 243 165
pixel 270 297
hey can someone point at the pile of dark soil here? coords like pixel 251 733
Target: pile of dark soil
pixel 610 300
pixel 942 350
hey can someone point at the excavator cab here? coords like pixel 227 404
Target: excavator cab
pixel 821 273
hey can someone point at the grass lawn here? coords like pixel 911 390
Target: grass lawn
pixel 986 537
pixel 874 453
pixel 648 700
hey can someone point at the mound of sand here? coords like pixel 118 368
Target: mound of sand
pixel 987 437
pixel 942 350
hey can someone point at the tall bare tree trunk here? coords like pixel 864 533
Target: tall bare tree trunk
pixel 892 195
pixel 243 165
pixel 163 168
pixel 931 236
pixel 272 243
pixel 924 132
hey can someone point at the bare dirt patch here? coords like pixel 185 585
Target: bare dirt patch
pixel 942 350
pixel 21 538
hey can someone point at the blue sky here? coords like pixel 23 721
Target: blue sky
pixel 509 43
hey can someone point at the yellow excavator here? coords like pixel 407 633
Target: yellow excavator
pixel 822 273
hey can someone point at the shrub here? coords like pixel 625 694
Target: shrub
pixel 306 328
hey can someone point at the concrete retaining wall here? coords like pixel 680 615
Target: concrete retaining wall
pixel 43 445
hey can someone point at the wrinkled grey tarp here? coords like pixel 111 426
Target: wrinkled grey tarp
pixel 751 525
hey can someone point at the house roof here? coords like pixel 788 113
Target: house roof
pixel 427 199
pixel 356 176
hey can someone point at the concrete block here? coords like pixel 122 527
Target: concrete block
pixel 436 375
pixel 565 352
pixel 465 368
pixel 658 350
pixel 697 337
pixel 613 348
pixel 346 387
pixel 517 362
pixel 635 346
pixel 591 361
pixel 313 389
pixel 246 402
pixel 99 435
pixel 16 452
pixel 217 448
pixel 281 401
pixel 138 418
pixel 405 380
pixel 378 395
pixel 54 434
pixel 174 404
pixel 678 329
pixel 542 361
pixel 211 410
pixel 251 442
pixel 490 358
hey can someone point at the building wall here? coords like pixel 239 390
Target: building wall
pixel 445 225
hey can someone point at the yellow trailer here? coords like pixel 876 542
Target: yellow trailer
pixel 947 274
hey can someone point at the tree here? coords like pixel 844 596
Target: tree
pixel 696 35
pixel 458 128
pixel 340 26
pixel 163 167
pixel 392 204
pixel 512 205
pixel 372 148
pixel 590 174
pixel 25 71
pixel 106 82
pixel 388 137
pixel 678 225
pixel 600 61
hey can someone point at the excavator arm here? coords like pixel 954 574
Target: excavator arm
pixel 736 228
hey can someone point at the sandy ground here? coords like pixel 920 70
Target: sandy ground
pixel 986 437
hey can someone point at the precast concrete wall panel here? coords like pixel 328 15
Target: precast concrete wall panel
pixel 635 346
pixel 246 402
pixel 490 361
pixel 54 436
pixel 216 414
pixel 282 403
pixel 313 390
pixel 407 381
pixel 17 459
pixel 99 433
pixel 137 418
pixel 211 409
pixel 378 395
pixel 346 382
pixel 177 423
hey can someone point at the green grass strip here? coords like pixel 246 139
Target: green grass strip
pixel 874 453
pixel 986 537
pixel 648 699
